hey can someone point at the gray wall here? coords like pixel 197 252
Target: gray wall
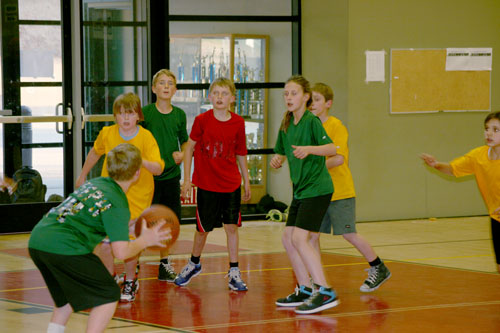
pixel 391 181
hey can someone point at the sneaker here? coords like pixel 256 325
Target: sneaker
pixel 188 272
pixel 321 299
pixel 166 271
pixel 376 276
pixel 119 279
pixel 130 288
pixel 235 282
pixel 297 298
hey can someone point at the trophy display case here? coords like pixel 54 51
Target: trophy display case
pixel 200 59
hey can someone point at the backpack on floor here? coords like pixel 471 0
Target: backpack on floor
pixel 29 186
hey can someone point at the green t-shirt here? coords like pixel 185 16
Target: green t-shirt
pixel 309 176
pixel 170 132
pixel 97 209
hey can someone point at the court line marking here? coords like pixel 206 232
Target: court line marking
pixel 110 326
pixel 346 314
pixel 405 261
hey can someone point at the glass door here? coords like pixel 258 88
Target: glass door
pixel 114 56
pixel 36 118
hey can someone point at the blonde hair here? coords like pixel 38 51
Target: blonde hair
pixel 123 161
pixel 324 90
pixel 166 72
pixel 130 102
pixel 223 82
pixel 306 89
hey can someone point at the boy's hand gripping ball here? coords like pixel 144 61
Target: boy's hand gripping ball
pixel 154 214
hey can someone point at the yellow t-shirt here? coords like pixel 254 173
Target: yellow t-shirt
pixel 140 194
pixel 341 175
pixel 487 173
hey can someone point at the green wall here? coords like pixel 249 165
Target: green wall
pixel 391 181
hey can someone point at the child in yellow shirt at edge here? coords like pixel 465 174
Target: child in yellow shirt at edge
pixel 127 111
pixel 341 214
pixel 484 163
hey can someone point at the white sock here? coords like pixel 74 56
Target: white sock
pixel 55 328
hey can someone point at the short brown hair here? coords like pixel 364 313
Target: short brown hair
pixel 223 82
pixel 123 161
pixel 324 90
pixel 165 71
pixel 492 115
pixel 130 102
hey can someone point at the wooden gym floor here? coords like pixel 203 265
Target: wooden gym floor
pixel 443 280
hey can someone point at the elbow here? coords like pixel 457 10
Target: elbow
pixel 158 169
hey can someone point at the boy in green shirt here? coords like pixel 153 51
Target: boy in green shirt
pixel 61 244
pixel 168 125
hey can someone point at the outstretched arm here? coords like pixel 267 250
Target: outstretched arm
pixel 153 236
pixel 90 161
pixel 433 163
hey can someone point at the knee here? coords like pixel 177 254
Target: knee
pixel 350 237
pixel 231 229
pixel 298 241
pixel 286 240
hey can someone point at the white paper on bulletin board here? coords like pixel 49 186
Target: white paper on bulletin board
pixel 469 59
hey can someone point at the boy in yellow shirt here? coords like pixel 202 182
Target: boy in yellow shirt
pixel 341 214
pixel 127 111
pixel 484 163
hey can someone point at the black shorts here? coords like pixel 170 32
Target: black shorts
pixel 215 208
pixel 80 280
pixel 308 213
pixel 495 237
pixel 168 193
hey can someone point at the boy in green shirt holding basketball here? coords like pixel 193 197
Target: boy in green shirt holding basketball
pixel 61 244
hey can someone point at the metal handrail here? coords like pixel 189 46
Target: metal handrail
pixel 95 118
pixel 68 118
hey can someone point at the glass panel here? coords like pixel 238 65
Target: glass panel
pixel 249 62
pixel 42 101
pixel 278 53
pixel 197 59
pixel 256 165
pixel 49 162
pixel 40 51
pixel 230 7
pixel 113 54
pixel 106 10
pixel 40 10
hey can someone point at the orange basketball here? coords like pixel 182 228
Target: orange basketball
pixel 155 213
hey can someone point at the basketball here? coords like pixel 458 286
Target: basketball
pixel 155 213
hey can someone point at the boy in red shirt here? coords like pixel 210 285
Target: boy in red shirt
pixel 218 144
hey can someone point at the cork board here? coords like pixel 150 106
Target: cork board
pixel 420 83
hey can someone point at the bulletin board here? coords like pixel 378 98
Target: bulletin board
pixel 420 83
